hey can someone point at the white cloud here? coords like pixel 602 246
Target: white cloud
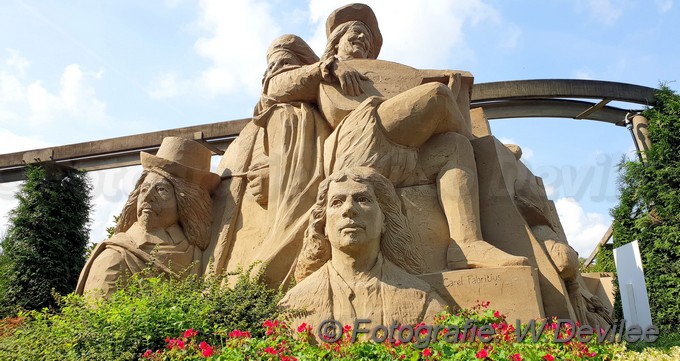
pixel 7 203
pixel 583 229
pixel 583 74
pixel 607 12
pixel 17 61
pixel 164 86
pixel 14 143
pixel 664 5
pixel 32 103
pixel 235 35
pixel 550 191
pixel 110 190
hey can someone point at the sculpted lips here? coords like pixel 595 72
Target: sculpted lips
pixel 352 226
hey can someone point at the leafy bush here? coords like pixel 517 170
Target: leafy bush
pixel 138 318
pixel 649 210
pixel 297 343
pixel 44 249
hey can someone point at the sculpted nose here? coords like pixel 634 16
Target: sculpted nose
pixel 148 195
pixel 348 209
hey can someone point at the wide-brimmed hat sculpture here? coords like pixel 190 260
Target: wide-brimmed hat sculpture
pixel 183 158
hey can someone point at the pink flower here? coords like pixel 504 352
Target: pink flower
pixel 483 353
pixel 207 352
pixel 190 333
pixel 427 352
pixel 515 357
pixel 180 344
pixel 148 353
pixel 548 357
pixel 170 342
pixel 302 327
pixel 270 350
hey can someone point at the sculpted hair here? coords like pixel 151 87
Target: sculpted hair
pixel 194 208
pixel 397 242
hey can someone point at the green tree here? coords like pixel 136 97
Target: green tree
pixel 44 248
pixel 649 209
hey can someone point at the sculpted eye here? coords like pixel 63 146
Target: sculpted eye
pixel 336 203
pixel 364 199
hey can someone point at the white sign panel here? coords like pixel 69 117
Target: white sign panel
pixel 632 285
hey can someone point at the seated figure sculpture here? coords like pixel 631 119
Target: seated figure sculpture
pixel 363 246
pixel 279 158
pixel 165 222
pixel 394 135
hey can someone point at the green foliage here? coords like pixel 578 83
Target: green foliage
pixel 140 317
pixel 44 249
pixel 649 209
pixel 296 342
pixel 111 230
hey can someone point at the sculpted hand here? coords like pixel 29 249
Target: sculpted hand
pixel 349 78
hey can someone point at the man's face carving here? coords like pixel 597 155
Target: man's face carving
pixel 353 215
pixel 156 205
pixel 355 43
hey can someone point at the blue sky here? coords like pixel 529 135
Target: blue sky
pixel 72 71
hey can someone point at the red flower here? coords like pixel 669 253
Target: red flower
pixel 180 344
pixel 515 357
pixel 483 353
pixel 190 333
pixel 346 328
pixel 207 352
pixel 497 314
pixel 427 352
pixel 148 353
pixel 270 350
pixel 302 327
pixel 548 357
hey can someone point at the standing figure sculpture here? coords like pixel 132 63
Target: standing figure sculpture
pixel 284 164
pixel 360 243
pixel 165 222
pixel 419 135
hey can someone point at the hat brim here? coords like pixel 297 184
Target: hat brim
pixel 206 180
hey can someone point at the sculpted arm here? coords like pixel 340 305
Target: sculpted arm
pixel 299 84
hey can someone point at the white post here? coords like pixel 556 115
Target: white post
pixel 632 284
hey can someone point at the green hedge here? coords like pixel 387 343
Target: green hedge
pixel 649 210
pixel 140 317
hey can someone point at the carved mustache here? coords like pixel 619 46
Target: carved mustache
pixel 147 206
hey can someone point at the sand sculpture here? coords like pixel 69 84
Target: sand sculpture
pixel 473 222
pixel 165 222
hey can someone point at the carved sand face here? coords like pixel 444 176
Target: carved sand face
pixel 280 59
pixel 353 215
pixel 355 43
pixel 156 204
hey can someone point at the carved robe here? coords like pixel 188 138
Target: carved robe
pixel 388 295
pixel 130 252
